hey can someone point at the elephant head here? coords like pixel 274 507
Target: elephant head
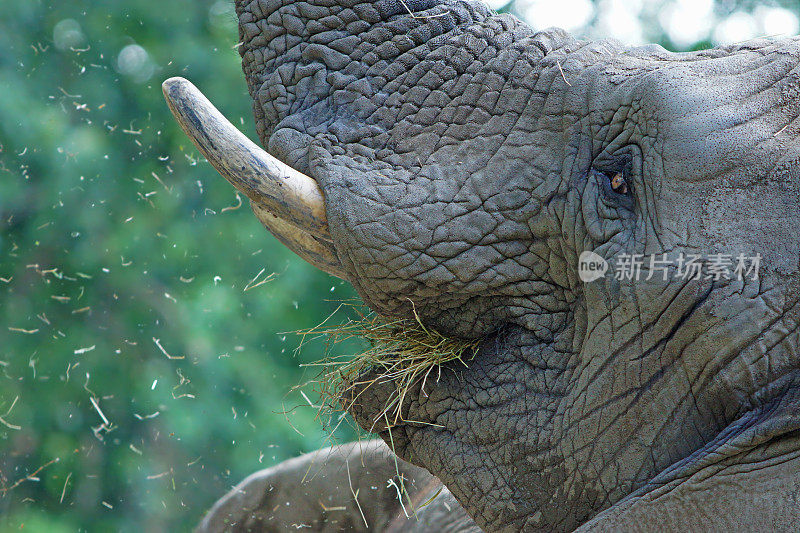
pixel 451 163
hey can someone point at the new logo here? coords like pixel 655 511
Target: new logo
pixel 591 267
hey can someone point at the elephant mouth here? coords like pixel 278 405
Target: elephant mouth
pixel 405 359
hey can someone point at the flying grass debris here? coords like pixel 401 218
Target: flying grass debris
pixel 8 424
pixel 252 283
pixel 157 342
pixel 33 476
pixel 25 331
pixel 96 406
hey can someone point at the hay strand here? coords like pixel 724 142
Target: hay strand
pixel 402 352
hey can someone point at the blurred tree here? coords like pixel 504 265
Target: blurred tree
pixel 141 374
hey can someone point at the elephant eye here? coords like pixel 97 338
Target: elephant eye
pixel 618 183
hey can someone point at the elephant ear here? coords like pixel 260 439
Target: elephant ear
pixel 352 487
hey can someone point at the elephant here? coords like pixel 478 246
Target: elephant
pixel 618 228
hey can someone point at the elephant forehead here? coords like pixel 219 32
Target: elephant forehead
pixel 713 114
pixel 406 84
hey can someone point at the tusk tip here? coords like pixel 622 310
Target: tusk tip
pixel 175 84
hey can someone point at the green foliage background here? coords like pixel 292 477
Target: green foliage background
pixel 117 239
pixel 115 233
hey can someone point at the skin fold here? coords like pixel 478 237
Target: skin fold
pixel 467 162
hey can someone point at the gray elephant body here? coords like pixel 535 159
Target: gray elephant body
pixel 467 163
pixel 342 488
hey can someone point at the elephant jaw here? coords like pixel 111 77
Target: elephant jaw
pixel 288 203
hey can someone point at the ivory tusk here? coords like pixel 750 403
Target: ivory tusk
pixel 318 252
pixel 294 200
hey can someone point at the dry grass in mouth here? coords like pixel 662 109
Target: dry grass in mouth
pixel 402 352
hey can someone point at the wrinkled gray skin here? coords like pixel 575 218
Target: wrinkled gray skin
pixel 318 490
pixel 465 162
